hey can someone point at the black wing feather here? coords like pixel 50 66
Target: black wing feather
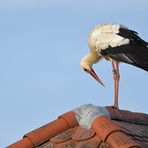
pixel 131 35
pixel 134 53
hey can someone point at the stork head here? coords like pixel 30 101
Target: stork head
pixel 86 64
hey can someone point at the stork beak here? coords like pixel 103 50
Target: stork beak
pixel 94 75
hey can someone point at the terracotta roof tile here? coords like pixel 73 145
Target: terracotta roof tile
pixel 82 134
pixel 46 145
pixel 109 129
pixel 111 133
pixel 67 144
pixel 132 117
pixel 70 119
pixel 104 127
pixel 133 129
pixel 119 139
pixel 137 132
pixel 64 136
pixel 50 130
pixel 104 145
pixel 93 142
pixel 23 143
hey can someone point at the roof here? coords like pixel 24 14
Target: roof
pixel 90 126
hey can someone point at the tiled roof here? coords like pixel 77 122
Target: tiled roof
pixel 109 128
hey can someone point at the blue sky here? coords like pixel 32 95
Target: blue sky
pixel 42 43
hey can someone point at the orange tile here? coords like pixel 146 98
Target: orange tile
pixel 24 143
pixel 70 118
pixel 103 126
pixel 121 140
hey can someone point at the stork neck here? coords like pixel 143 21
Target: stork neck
pixel 92 58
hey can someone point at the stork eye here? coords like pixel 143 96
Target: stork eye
pixel 85 70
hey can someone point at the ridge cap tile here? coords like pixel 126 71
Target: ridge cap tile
pixel 47 131
pixel 111 133
pixel 103 126
pixel 128 116
pixel 70 118
pixel 23 143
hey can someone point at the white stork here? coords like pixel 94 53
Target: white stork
pixel 115 43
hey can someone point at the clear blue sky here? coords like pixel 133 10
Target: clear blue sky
pixel 42 43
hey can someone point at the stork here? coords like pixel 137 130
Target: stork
pixel 115 43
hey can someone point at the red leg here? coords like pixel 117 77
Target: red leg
pixel 116 82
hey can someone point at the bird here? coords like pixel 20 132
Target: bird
pixel 118 44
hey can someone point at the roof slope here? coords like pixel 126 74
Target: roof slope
pixel 90 127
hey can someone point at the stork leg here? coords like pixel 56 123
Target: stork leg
pixel 116 76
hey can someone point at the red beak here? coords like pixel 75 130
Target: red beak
pixel 94 75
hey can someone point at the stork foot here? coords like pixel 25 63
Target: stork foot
pixel 115 107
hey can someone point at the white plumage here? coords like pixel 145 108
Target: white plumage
pixel 103 36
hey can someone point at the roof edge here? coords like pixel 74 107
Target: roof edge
pixel 23 143
pixel 47 131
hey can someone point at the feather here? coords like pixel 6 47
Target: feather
pixel 131 35
pixel 106 35
pixel 130 53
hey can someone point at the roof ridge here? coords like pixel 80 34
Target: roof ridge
pixel 99 119
pixel 128 116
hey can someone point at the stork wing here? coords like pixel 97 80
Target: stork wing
pixel 134 53
pixel 131 35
